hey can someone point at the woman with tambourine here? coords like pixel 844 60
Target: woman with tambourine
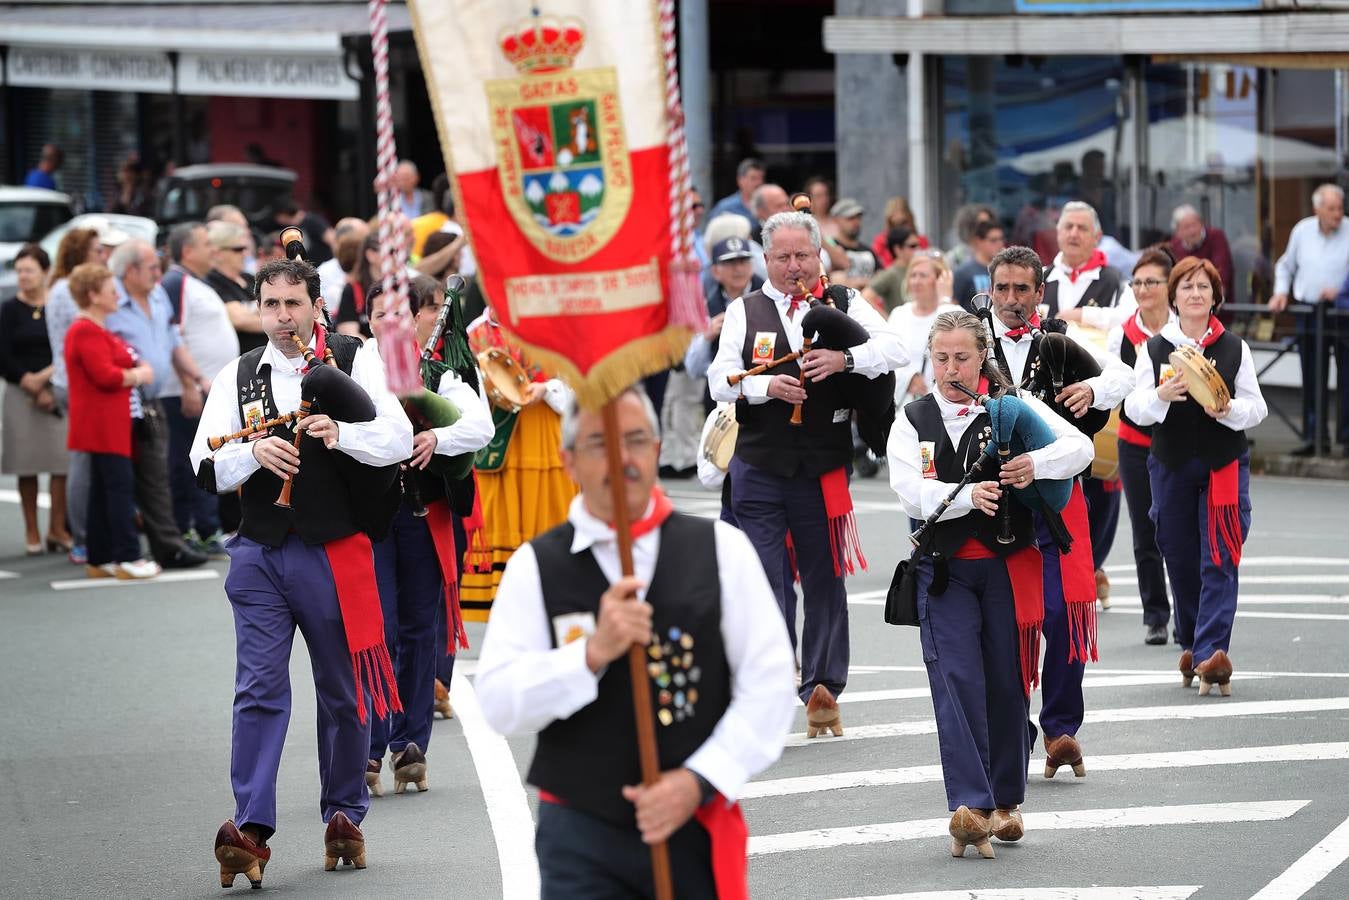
pixel 979 575
pixel 1195 384
pixel 1126 341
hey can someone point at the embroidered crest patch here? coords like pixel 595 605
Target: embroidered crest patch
pixel 764 342
pixel 572 627
pixel 927 461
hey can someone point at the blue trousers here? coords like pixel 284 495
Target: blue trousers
pixel 1102 517
pixel 192 507
pixel 111 525
pixel 1133 470
pixel 410 590
pixel 768 506
pixel 581 855
pixel 274 590
pixel 1205 593
pixel 972 654
pixel 1062 707
pixel 445 659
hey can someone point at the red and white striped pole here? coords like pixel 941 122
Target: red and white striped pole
pixel 398 346
pixel 687 306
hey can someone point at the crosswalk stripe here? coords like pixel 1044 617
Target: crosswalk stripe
pixel 1314 617
pixel 1311 868
pixel 75 584
pixel 1123 762
pixel 4 574
pixel 1091 681
pixel 1132 602
pixel 1309 578
pixel 1255 562
pixel 1103 716
pixel 1075 820
pixel 1135 892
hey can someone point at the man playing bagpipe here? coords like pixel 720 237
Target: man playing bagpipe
pixel 417 563
pixel 791 480
pixel 307 563
pixel 719 670
pixel 981 586
pixel 1081 384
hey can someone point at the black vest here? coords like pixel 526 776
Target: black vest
pixel 951 464
pixel 588 758
pixel 1187 431
pixel 322 506
pixel 767 439
pixel 1129 356
pixel 1104 291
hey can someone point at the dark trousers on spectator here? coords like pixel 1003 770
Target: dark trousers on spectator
pixel 150 435
pixel 192 507
pixel 1316 370
pixel 112 512
pixel 1133 470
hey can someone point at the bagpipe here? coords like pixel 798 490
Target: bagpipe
pixel 1016 428
pixel 827 326
pixel 1058 361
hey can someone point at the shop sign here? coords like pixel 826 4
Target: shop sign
pixel 309 76
pixel 92 69
pixel 1132 6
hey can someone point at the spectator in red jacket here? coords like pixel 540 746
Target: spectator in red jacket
pixel 1190 237
pixel 101 374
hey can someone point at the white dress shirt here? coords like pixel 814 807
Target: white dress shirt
pixel 525 684
pixel 1114 341
pixel 1070 453
pixel 383 441
pixel 474 429
pixel 882 353
pixel 1248 407
pixel 1070 295
pixel 205 326
pixel 1313 263
pixel 913 331
pixel 331 281
pixel 1107 389
pixel 708 473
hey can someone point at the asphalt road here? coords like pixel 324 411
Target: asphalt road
pixel 114 750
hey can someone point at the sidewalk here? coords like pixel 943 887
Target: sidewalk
pixel 1272 441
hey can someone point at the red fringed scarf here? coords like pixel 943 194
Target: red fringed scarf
pixel 478 558
pixel 353 565
pixel 1078 573
pixel 1224 514
pixel 440 522
pixel 1025 571
pixel 1095 261
pixel 844 542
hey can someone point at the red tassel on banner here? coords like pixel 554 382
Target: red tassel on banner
pixel 688 306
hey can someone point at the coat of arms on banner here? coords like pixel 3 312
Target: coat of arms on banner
pixel 561 150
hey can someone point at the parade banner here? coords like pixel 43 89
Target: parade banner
pixel 565 153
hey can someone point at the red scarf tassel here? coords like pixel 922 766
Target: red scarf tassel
pixel 440 522
pixel 1078 573
pixel 1025 570
pixel 1224 515
pixel 352 561
pixel 844 542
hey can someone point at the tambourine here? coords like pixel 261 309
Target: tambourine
pixel 720 444
pixel 504 381
pixel 1201 378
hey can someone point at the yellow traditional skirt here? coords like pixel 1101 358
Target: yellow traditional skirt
pixel 527 496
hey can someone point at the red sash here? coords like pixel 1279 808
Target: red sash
pixel 353 565
pixel 440 522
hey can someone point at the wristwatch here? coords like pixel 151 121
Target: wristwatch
pixel 847 360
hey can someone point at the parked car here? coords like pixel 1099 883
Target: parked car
pixel 103 223
pixel 189 193
pixel 26 214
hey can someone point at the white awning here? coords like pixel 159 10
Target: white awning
pixel 224 49
pixel 1106 35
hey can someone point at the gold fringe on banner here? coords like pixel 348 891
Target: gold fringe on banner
pixel 649 354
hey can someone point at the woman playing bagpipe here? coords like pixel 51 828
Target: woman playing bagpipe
pixel 979 576
pixel 1196 385
pixel 417 563
pixel 1126 341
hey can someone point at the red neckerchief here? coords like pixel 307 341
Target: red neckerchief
pixel 319 344
pixel 980 388
pixel 1017 334
pixel 1133 330
pixel 1215 331
pixel 1095 261
pixel 661 507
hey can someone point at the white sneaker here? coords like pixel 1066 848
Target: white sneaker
pixel 140 568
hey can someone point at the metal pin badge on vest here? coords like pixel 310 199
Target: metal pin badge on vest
pixel 673 670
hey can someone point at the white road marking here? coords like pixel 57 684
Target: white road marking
pixel 1256 562
pixel 1123 762
pixel 7 574
pixel 1315 617
pixel 1104 716
pixel 1307 872
pixel 507 803
pixel 76 584
pixel 44 499
pixel 1130 602
pixel 1072 820
pixel 1091 681
pixel 1137 892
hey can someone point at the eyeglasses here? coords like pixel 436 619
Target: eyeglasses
pixel 236 249
pixel 634 442
pixel 1149 283
pixel 914 246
